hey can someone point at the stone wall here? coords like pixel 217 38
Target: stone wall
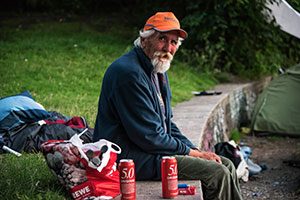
pixel 232 111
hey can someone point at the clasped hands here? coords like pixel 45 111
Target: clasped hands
pixel 205 155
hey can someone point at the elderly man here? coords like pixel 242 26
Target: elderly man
pixel 135 113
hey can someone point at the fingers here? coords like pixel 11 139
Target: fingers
pixel 205 155
pixel 211 156
pixel 216 158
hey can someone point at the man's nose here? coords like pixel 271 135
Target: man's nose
pixel 168 47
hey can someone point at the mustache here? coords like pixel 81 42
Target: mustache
pixel 161 61
pixel 163 55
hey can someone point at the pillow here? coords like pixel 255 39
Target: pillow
pixel 20 109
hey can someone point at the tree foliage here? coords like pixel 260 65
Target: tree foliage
pixel 237 36
pixel 295 4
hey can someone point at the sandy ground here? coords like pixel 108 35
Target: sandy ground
pixel 281 179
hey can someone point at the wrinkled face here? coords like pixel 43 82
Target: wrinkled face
pixel 160 48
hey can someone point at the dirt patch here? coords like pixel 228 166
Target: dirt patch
pixel 281 179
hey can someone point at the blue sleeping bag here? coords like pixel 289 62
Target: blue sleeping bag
pixel 18 110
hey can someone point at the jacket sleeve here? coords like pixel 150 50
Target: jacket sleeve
pixel 136 109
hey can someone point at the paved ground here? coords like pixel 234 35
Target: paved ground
pixel 281 180
pixel 190 116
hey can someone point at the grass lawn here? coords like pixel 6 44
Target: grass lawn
pixel 62 62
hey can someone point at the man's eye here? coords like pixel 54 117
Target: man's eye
pixel 162 38
pixel 174 42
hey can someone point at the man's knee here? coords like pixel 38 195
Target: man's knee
pixel 222 171
pixel 220 178
pixel 228 163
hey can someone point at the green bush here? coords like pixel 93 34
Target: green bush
pixel 235 36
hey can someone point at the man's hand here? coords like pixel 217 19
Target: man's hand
pixel 205 155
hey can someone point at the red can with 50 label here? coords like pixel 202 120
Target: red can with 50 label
pixel 127 179
pixel 169 177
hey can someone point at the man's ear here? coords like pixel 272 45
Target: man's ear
pixel 143 42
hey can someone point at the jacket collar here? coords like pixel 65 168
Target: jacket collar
pixel 144 60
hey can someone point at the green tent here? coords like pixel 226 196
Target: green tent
pixel 277 109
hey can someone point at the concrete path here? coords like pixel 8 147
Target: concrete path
pixel 190 117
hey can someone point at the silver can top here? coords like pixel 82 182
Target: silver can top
pixel 126 160
pixel 168 157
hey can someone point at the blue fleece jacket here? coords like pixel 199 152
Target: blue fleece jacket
pixel 129 114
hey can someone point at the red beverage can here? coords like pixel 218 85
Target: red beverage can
pixel 127 179
pixel 169 177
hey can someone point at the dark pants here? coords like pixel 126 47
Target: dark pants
pixel 219 181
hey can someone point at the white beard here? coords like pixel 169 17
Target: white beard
pixel 161 61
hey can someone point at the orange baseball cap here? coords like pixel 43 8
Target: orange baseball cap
pixel 163 22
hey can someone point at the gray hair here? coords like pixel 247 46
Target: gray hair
pixel 143 34
pixel 148 33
